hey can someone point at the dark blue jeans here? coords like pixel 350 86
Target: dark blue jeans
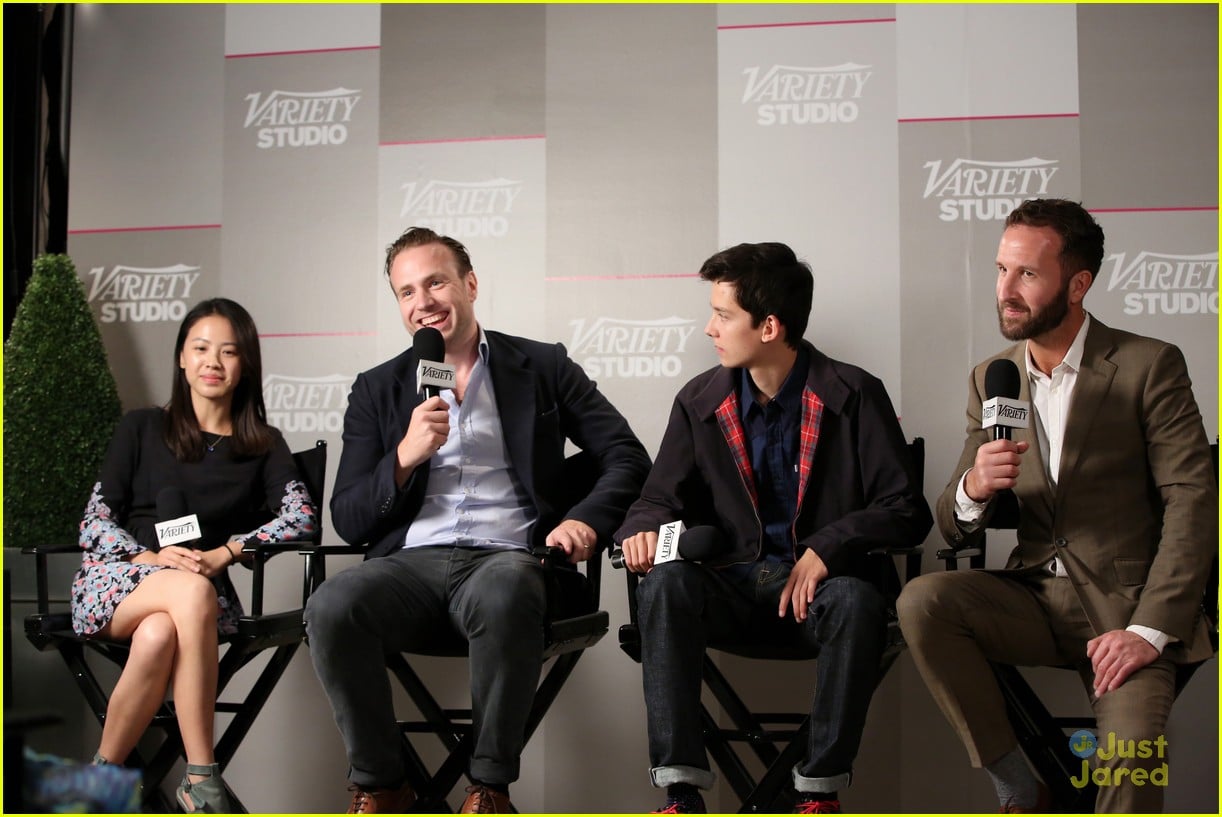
pixel 683 607
pixel 496 599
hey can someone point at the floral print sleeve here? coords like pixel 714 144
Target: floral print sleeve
pixel 102 535
pixel 295 520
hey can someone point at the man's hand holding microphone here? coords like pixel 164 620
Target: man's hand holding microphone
pixel 642 551
pixel 998 461
pixel 429 426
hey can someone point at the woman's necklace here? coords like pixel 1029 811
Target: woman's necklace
pixel 211 446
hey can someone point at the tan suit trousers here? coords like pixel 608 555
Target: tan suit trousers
pixel 957 621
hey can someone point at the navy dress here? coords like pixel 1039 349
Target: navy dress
pixel 242 499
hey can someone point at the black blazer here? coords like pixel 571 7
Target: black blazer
pixel 544 398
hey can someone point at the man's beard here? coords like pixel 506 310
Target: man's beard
pixel 1037 323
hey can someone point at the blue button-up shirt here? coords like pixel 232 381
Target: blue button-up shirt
pixel 772 432
pixel 474 497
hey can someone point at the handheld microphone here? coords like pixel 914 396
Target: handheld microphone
pixel 433 374
pixel 178 526
pixel 1002 410
pixel 676 541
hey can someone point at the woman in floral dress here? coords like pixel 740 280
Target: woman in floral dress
pixel 211 453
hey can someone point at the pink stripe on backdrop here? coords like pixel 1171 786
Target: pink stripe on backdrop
pixel 986 118
pixel 621 277
pixel 317 334
pixel 1152 209
pixel 303 51
pixel 146 229
pixel 464 139
pixel 810 23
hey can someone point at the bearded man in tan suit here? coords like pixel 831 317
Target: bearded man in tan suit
pixel 1118 520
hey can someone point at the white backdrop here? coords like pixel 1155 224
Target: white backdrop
pixel 592 157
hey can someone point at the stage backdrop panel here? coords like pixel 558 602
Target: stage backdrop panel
pixel 807 145
pixel 592 156
pixel 300 165
pixel 140 285
pixel 1143 118
pixel 986 60
pixel 632 199
pixel 279 29
pixel 145 143
pixel 462 71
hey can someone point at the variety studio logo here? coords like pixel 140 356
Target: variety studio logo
pixel 613 347
pixel 461 209
pixel 284 119
pixel 314 404
pixel 793 95
pixel 971 190
pixel 1161 284
pixel 142 294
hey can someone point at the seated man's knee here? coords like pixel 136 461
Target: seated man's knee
pixel 857 596
pixel 329 608
pixel 846 604
pixel 671 584
pixel 922 597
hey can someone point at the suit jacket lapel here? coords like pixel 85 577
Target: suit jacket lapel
pixel 1094 380
pixel 514 387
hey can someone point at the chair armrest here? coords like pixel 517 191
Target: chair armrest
pixel 41 583
pixel 269 549
pixel 261 552
pixel 316 563
pixel 43 550
pixel 332 549
pixel 951 557
pixel 911 554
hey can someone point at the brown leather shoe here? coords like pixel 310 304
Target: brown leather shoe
pixel 483 800
pixel 381 801
pixel 1043 803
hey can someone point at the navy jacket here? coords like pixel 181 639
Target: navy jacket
pixel 544 398
pixel 856 490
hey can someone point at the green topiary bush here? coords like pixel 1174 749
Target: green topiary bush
pixel 60 408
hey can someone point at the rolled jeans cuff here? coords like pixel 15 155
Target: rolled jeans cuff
pixel 664 776
pixel 821 785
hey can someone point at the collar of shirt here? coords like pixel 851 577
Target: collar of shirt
pixel 788 399
pixel 1050 398
pixel 473 497
pixel 1071 362
pixel 483 346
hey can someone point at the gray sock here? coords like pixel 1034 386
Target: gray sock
pixel 1012 777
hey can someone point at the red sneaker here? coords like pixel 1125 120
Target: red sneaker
pixel 683 805
pixel 817 807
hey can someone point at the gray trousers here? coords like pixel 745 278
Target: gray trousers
pixel 496 599
pixel 956 622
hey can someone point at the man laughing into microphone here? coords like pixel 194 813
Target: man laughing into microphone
pixel 1117 521
pixel 450 492
pixel 799 461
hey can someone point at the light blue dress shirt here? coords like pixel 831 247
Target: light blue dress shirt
pixel 474 497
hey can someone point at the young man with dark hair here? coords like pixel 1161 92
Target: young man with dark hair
pixel 799 461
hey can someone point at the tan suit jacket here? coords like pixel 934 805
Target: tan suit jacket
pixel 1134 514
